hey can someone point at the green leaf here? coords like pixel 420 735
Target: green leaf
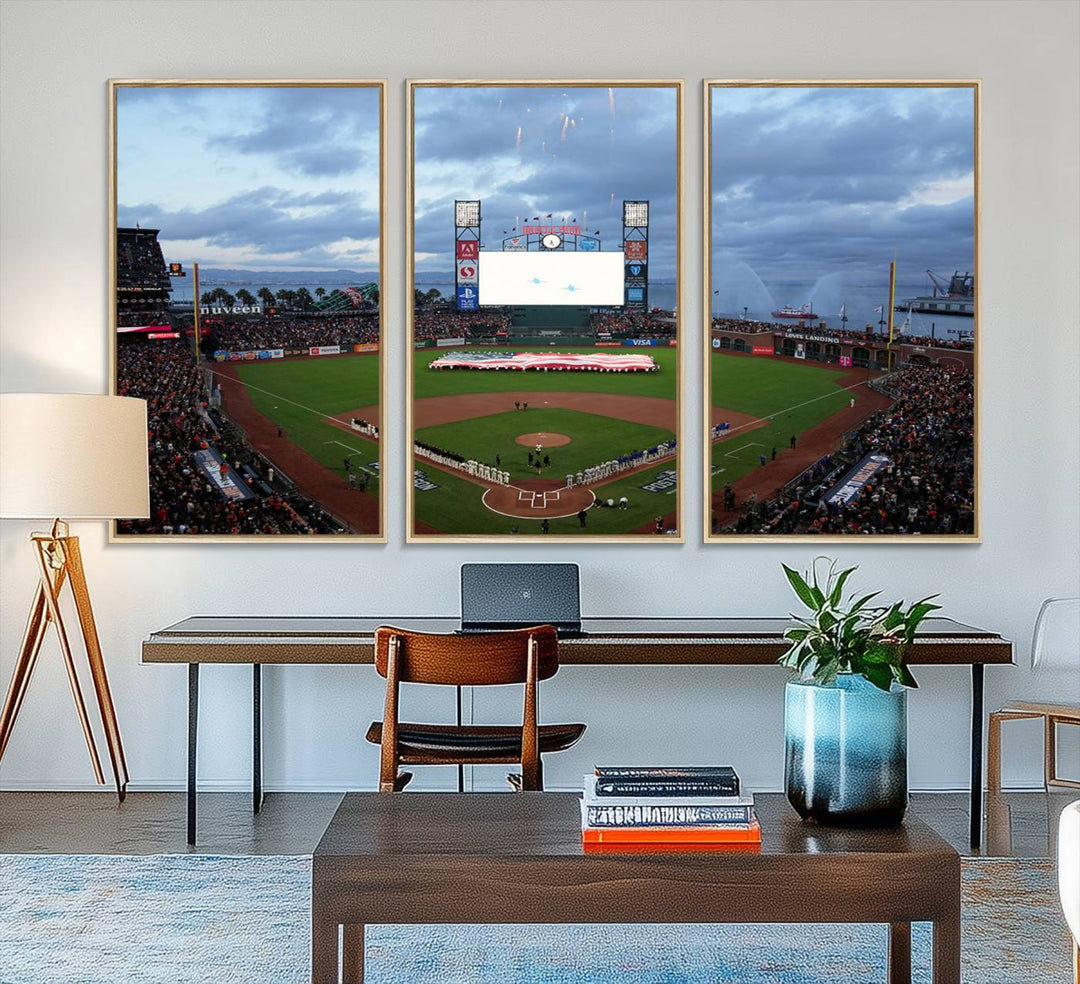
pixel 838 590
pixel 800 587
pixel 903 675
pixel 880 676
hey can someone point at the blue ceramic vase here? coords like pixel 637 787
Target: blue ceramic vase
pixel 846 752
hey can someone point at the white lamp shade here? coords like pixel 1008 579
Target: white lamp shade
pixel 73 456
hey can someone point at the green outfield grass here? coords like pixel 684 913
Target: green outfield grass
pixel 436 382
pixel 593 439
pixel 298 394
pixel 455 507
pixel 796 396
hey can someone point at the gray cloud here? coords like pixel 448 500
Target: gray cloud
pixel 470 135
pixel 813 182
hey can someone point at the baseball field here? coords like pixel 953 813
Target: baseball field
pixel 297 412
pixel 768 401
pixel 579 419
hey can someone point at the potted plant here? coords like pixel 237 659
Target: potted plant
pixel 845 714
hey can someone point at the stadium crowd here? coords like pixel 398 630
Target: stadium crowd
pixel 445 322
pixel 289 332
pixel 849 335
pixel 926 487
pixel 634 324
pixel 182 497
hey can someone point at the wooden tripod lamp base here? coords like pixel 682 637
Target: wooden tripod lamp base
pixel 59 561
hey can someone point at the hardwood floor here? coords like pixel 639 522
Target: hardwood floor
pixel 1022 824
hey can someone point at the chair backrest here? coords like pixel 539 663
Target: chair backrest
pixel 1055 642
pixel 468 660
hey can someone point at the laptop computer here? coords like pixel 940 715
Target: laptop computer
pixel 514 596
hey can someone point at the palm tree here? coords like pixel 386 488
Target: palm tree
pixel 266 295
pixel 245 297
pixel 304 299
pixel 320 292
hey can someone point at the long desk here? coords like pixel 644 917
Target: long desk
pixel 618 641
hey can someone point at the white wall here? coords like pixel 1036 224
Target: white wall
pixel 56 57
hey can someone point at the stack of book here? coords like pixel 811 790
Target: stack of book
pixel 676 806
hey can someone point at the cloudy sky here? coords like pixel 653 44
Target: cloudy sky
pixel 526 151
pixel 256 178
pixel 809 182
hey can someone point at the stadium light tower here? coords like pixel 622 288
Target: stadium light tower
pixel 635 215
pixel 467 247
pixel 636 255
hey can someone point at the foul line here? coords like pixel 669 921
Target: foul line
pixel 284 399
pixel 349 447
pixel 773 416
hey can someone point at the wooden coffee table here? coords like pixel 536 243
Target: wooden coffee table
pixel 517 858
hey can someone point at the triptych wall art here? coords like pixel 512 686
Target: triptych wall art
pixel 543 318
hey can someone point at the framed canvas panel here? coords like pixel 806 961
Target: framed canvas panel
pixel 841 305
pixel 246 280
pixel 543 259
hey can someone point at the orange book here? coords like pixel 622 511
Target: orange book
pixel 733 834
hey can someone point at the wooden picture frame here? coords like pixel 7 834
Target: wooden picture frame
pixel 256 184
pixel 816 187
pixel 463 137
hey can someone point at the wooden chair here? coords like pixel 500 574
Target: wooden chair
pixel 1055 644
pixel 485 659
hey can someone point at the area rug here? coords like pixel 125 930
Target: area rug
pixel 74 919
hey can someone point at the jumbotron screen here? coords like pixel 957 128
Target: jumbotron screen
pixel 551 277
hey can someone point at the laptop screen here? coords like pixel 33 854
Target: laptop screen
pixel 517 595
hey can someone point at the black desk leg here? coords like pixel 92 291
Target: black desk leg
pixel 976 752
pixel 192 747
pixel 461 767
pixel 256 738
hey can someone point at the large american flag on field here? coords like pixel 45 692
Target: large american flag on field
pixel 559 361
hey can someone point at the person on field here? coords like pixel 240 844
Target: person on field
pixel 581 517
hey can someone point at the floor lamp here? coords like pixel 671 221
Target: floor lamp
pixel 77 457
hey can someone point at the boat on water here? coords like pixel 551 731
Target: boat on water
pixel 806 312
pixel 954 295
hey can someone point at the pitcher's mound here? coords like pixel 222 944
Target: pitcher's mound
pixel 545 440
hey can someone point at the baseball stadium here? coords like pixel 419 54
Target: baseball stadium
pixel 819 430
pixel 544 374
pixel 532 417
pixel 263 412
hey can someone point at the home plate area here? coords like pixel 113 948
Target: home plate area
pixel 539 498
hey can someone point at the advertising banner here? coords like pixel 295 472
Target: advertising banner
pixel 467 271
pixel 608 344
pixel 635 269
pixel 324 350
pixel 856 480
pixel 640 342
pixel 219 473
pixel 635 295
pixel 800 350
pixel 515 243
pixel 636 249
pixel 757 349
pixel 845 360
pixel 468 249
pixel 449 342
pixel 271 353
pixel 468 297
pixel 588 245
pixel 366 347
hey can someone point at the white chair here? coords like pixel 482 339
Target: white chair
pixel 1069 875
pixel 1055 645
